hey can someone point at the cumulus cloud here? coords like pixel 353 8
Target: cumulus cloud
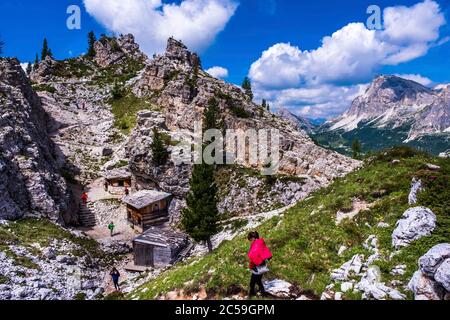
pixel 195 22
pixel 417 78
pixel 218 72
pixel 351 55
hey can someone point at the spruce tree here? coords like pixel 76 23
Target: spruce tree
pixel 29 69
pixel 264 104
pixel 247 86
pixel 45 50
pixel 200 218
pixel 91 43
pixel 36 62
pixel 356 149
pixel 2 44
pixel 160 155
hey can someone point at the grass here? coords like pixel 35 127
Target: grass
pixel 306 240
pixel 125 110
pixel 44 87
pixel 28 232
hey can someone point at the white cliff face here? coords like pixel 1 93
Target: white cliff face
pixel 30 182
pixel 391 102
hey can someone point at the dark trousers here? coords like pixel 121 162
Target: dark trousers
pixel 256 280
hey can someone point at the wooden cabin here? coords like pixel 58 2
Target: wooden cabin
pixel 158 247
pixel 118 178
pixel 147 208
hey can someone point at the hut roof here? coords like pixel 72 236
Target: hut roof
pixel 120 173
pixel 162 238
pixel 144 198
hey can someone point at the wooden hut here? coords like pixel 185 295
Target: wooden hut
pixel 158 247
pixel 147 208
pixel 118 178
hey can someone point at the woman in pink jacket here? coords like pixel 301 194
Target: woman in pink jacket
pixel 259 255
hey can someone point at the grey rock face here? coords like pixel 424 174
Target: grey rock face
pixel 415 224
pixel 372 287
pixel 392 102
pixel 110 51
pixel 30 182
pixel 169 81
pixel 430 262
pixel 442 275
pixel 416 187
pixel 425 288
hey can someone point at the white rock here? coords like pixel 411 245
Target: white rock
pixel 371 286
pixel 430 262
pixel 352 267
pixel 346 286
pixel 341 250
pixel 338 296
pixel 416 187
pixel 433 167
pixel 425 288
pixel 49 253
pixel 442 275
pixel 278 288
pixel 383 225
pixel 416 223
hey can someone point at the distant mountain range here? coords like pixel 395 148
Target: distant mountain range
pixel 392 111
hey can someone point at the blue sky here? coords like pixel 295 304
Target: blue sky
pixel 234 34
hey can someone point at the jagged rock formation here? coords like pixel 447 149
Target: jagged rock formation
pixel 299 122
pixel 30 182
pixel 176 83
pixel 397 111
pixel 415 224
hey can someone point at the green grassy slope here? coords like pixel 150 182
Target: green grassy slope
pixel 306 240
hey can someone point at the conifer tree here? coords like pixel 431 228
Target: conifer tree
pixel 36 61
pixel 2 44
pixel 356 149
pixel 160 155
pixel 200 218
pixel 29 69
pixel 46 51
pixel 247 86
pixel 91 43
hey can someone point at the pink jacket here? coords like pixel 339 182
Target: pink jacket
pixel 258 253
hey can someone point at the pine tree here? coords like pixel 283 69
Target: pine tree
pixel 356 149
pixel 91 43
pixel 247 86
pixel 264 104
pixel 46 51
pixel 29 69
pixel 160 155
pixel 2 44
pixel 36 62
pixel 268 107
pixel 200 218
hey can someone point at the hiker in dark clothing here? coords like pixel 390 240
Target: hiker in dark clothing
pixel 127 192
pixel 115 275
pixel 259 256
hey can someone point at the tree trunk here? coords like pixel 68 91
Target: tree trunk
pixel 209 244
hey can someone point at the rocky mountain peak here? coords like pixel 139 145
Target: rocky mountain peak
pixel 396 87
pixel 111 50
pixel 177 51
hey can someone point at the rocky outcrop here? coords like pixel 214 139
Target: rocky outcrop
pixel 176 83
pixel 432 280
pixel 372 287
pixel 416 187
pixel 110 51
pixel 30 182
pixel 416 223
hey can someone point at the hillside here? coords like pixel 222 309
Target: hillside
pixel 308 244
pixel 393 111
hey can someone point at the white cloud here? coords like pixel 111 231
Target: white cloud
pixel 417 78
pixel 24 66
pixel 218 72
pixel 195 22
pixel 351 55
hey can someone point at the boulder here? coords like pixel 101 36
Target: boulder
pixel 372 288
pixel 352 267
pixel 431 261
pixel 425 288
pixel 49 253
pixel 278 288
pixel 346 286
pixel 433 167
pixel 442 275
pixel 416 223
